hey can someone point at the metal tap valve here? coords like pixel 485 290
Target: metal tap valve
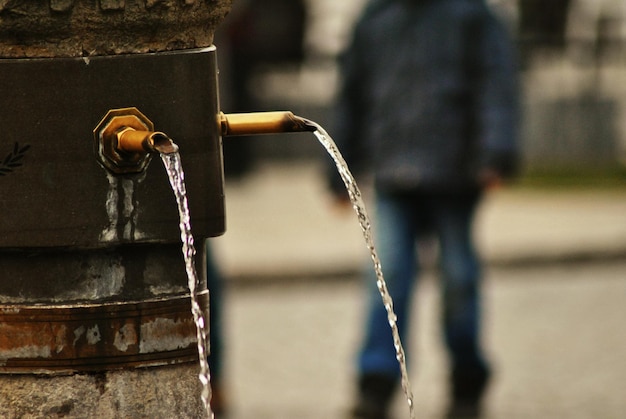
pixel 125 141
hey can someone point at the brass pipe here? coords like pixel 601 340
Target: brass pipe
pixel 130 140
pixel 256 123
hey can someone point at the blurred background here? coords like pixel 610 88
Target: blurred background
pixel 555 240
pixel 572 59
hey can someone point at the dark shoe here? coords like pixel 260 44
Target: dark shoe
pixel 468 388
pixel 469 409
pixel 366 409
pixel 375 394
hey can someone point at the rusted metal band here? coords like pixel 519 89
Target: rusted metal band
pixel 54 339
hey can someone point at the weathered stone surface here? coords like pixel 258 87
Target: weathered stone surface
pixel 172 392
pixel 74 28
pixel 61 5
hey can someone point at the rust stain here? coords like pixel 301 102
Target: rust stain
pixel 53 339
pixel 125 337
pixel 20 341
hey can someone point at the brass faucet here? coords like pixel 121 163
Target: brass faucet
pixel 125 138
pixel 125 141
pixel 130 140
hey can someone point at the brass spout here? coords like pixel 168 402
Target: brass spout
pixel 256 123
pixel 130 140
pixel 125 141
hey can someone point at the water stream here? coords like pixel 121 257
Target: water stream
pixel 177 180
pixel 176 176
pixel 359 207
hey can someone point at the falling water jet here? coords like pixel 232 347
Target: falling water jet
pixel 132 140
pixel 176 175
pixel 359 207
pixel 126 142
pixel 284 121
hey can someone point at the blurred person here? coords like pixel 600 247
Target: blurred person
pixel 215 284
pixel 428 105
pixel 256 35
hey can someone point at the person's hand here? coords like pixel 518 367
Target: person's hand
pixel 341 202
pixel 490 179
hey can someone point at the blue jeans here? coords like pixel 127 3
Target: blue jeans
pixel 400 219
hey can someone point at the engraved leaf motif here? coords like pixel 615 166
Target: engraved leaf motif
pixel 13 159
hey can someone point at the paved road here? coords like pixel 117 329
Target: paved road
pixel 556 333
pixel 555 324
pixel 280 224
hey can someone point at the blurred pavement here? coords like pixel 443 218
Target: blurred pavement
pixel 281 224
pixel 554 303
pixel 555 334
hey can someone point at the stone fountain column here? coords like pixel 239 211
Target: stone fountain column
pixel 94 310
pixel 77 28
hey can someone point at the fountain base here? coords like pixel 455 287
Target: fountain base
pixel 171 391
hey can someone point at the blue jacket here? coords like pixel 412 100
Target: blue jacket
pixel 428 96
